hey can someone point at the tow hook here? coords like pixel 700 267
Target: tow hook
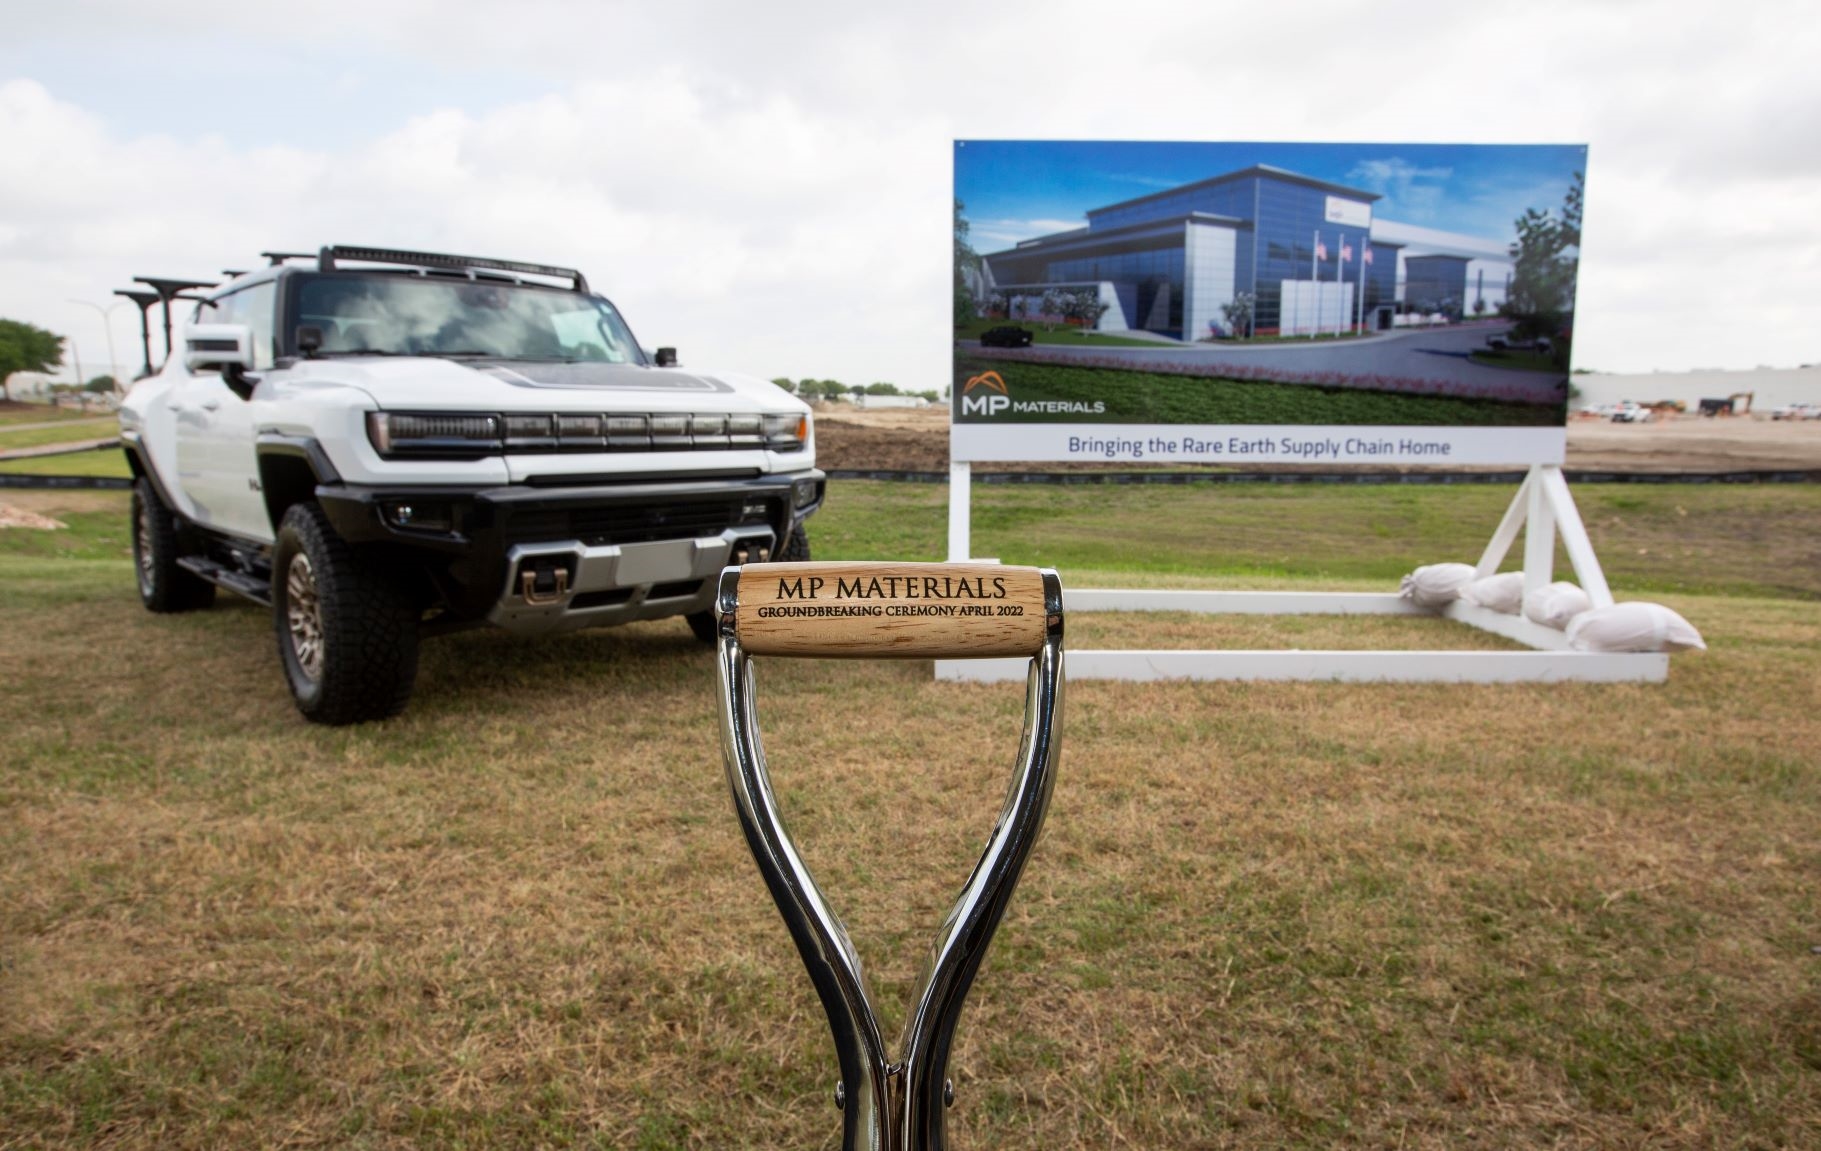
pixel 743 554
pixel 541 588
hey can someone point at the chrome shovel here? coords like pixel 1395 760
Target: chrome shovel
pixel 891 611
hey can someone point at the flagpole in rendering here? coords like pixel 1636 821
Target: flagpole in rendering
pixel 1315 259
pixel 1341 270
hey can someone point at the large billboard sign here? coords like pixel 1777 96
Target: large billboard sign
pixel 1245 304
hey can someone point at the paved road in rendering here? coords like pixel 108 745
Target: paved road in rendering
pixel 1422 354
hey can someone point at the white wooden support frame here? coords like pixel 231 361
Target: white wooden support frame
pixel 1543 509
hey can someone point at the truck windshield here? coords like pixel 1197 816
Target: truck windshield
pixel 412 316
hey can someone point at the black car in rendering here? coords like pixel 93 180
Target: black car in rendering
pixel 1006 336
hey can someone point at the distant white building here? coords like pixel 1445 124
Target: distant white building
pixel 29 385
pixel 863 401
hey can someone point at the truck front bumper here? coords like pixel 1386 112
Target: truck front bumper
pixel 539 559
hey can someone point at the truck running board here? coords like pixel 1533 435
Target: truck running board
pixel 238 582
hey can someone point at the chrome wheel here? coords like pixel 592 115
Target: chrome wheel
pixel 142 545
pixel 303 615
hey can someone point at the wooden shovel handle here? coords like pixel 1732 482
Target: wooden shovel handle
pixel 892 610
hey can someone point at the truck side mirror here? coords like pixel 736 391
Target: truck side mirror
pixel 224 347
pixel 667 357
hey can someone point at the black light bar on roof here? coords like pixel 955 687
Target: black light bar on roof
pixel 327 259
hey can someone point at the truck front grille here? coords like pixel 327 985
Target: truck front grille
pixel 631 523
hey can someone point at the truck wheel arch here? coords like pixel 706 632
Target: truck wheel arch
pixel 291 468
pixel 142 469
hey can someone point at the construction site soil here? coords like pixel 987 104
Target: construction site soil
pixel 916 440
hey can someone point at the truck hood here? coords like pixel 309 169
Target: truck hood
pixel 436 384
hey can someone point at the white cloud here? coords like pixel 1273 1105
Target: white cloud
pixel 1413 194
pixel 768 188
pixel 734 235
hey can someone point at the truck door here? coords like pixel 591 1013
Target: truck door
pixel 215 427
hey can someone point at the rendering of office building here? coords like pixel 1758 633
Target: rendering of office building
pixel 1310 253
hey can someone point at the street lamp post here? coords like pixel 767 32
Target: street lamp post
pixel 107 325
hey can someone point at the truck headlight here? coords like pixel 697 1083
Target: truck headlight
pixel 434 434
pixel 786 433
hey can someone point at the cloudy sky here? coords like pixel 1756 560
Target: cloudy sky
pixel 767 186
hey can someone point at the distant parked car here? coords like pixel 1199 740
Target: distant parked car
pixel 1006 336
pixel 1796 412
pixel 1506 342
pixel 1630 413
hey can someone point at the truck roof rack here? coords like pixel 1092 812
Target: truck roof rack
pixel 276 258
pixel 327 259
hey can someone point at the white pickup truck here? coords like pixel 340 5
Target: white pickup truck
pixel 386 445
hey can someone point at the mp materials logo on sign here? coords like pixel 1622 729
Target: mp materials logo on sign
pixel 986 403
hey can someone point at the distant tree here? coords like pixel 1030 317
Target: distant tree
pixel 26 348
pixel 785 383
pixel 1546 256
pixel 1238 314
pixel 1053 305
pixel 101 385
pixel 932 396
pixel 967 262
pixel 832 388
pixel 882 389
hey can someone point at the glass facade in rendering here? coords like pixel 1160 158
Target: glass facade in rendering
pixel 1278 227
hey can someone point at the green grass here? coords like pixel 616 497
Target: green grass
pixel 105 462
pixel 23 413
pixel 1740 540
pixel 1072 337
pixel 69 431
pixel 1141 397
pixel 1261 915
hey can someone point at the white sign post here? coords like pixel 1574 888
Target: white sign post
pixel 1543 509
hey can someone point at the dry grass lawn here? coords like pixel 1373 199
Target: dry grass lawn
pixel 521 915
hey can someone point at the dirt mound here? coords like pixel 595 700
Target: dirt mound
pixel 893 440
pixel 11 517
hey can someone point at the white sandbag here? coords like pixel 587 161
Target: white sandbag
pixel 1633 627
pixel 1436 585
pixel 1501 593
pixel 1553 605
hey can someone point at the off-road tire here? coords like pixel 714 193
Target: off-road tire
pixel 705 624
pixel 347 632
pixel 157 542
pixel 795 549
